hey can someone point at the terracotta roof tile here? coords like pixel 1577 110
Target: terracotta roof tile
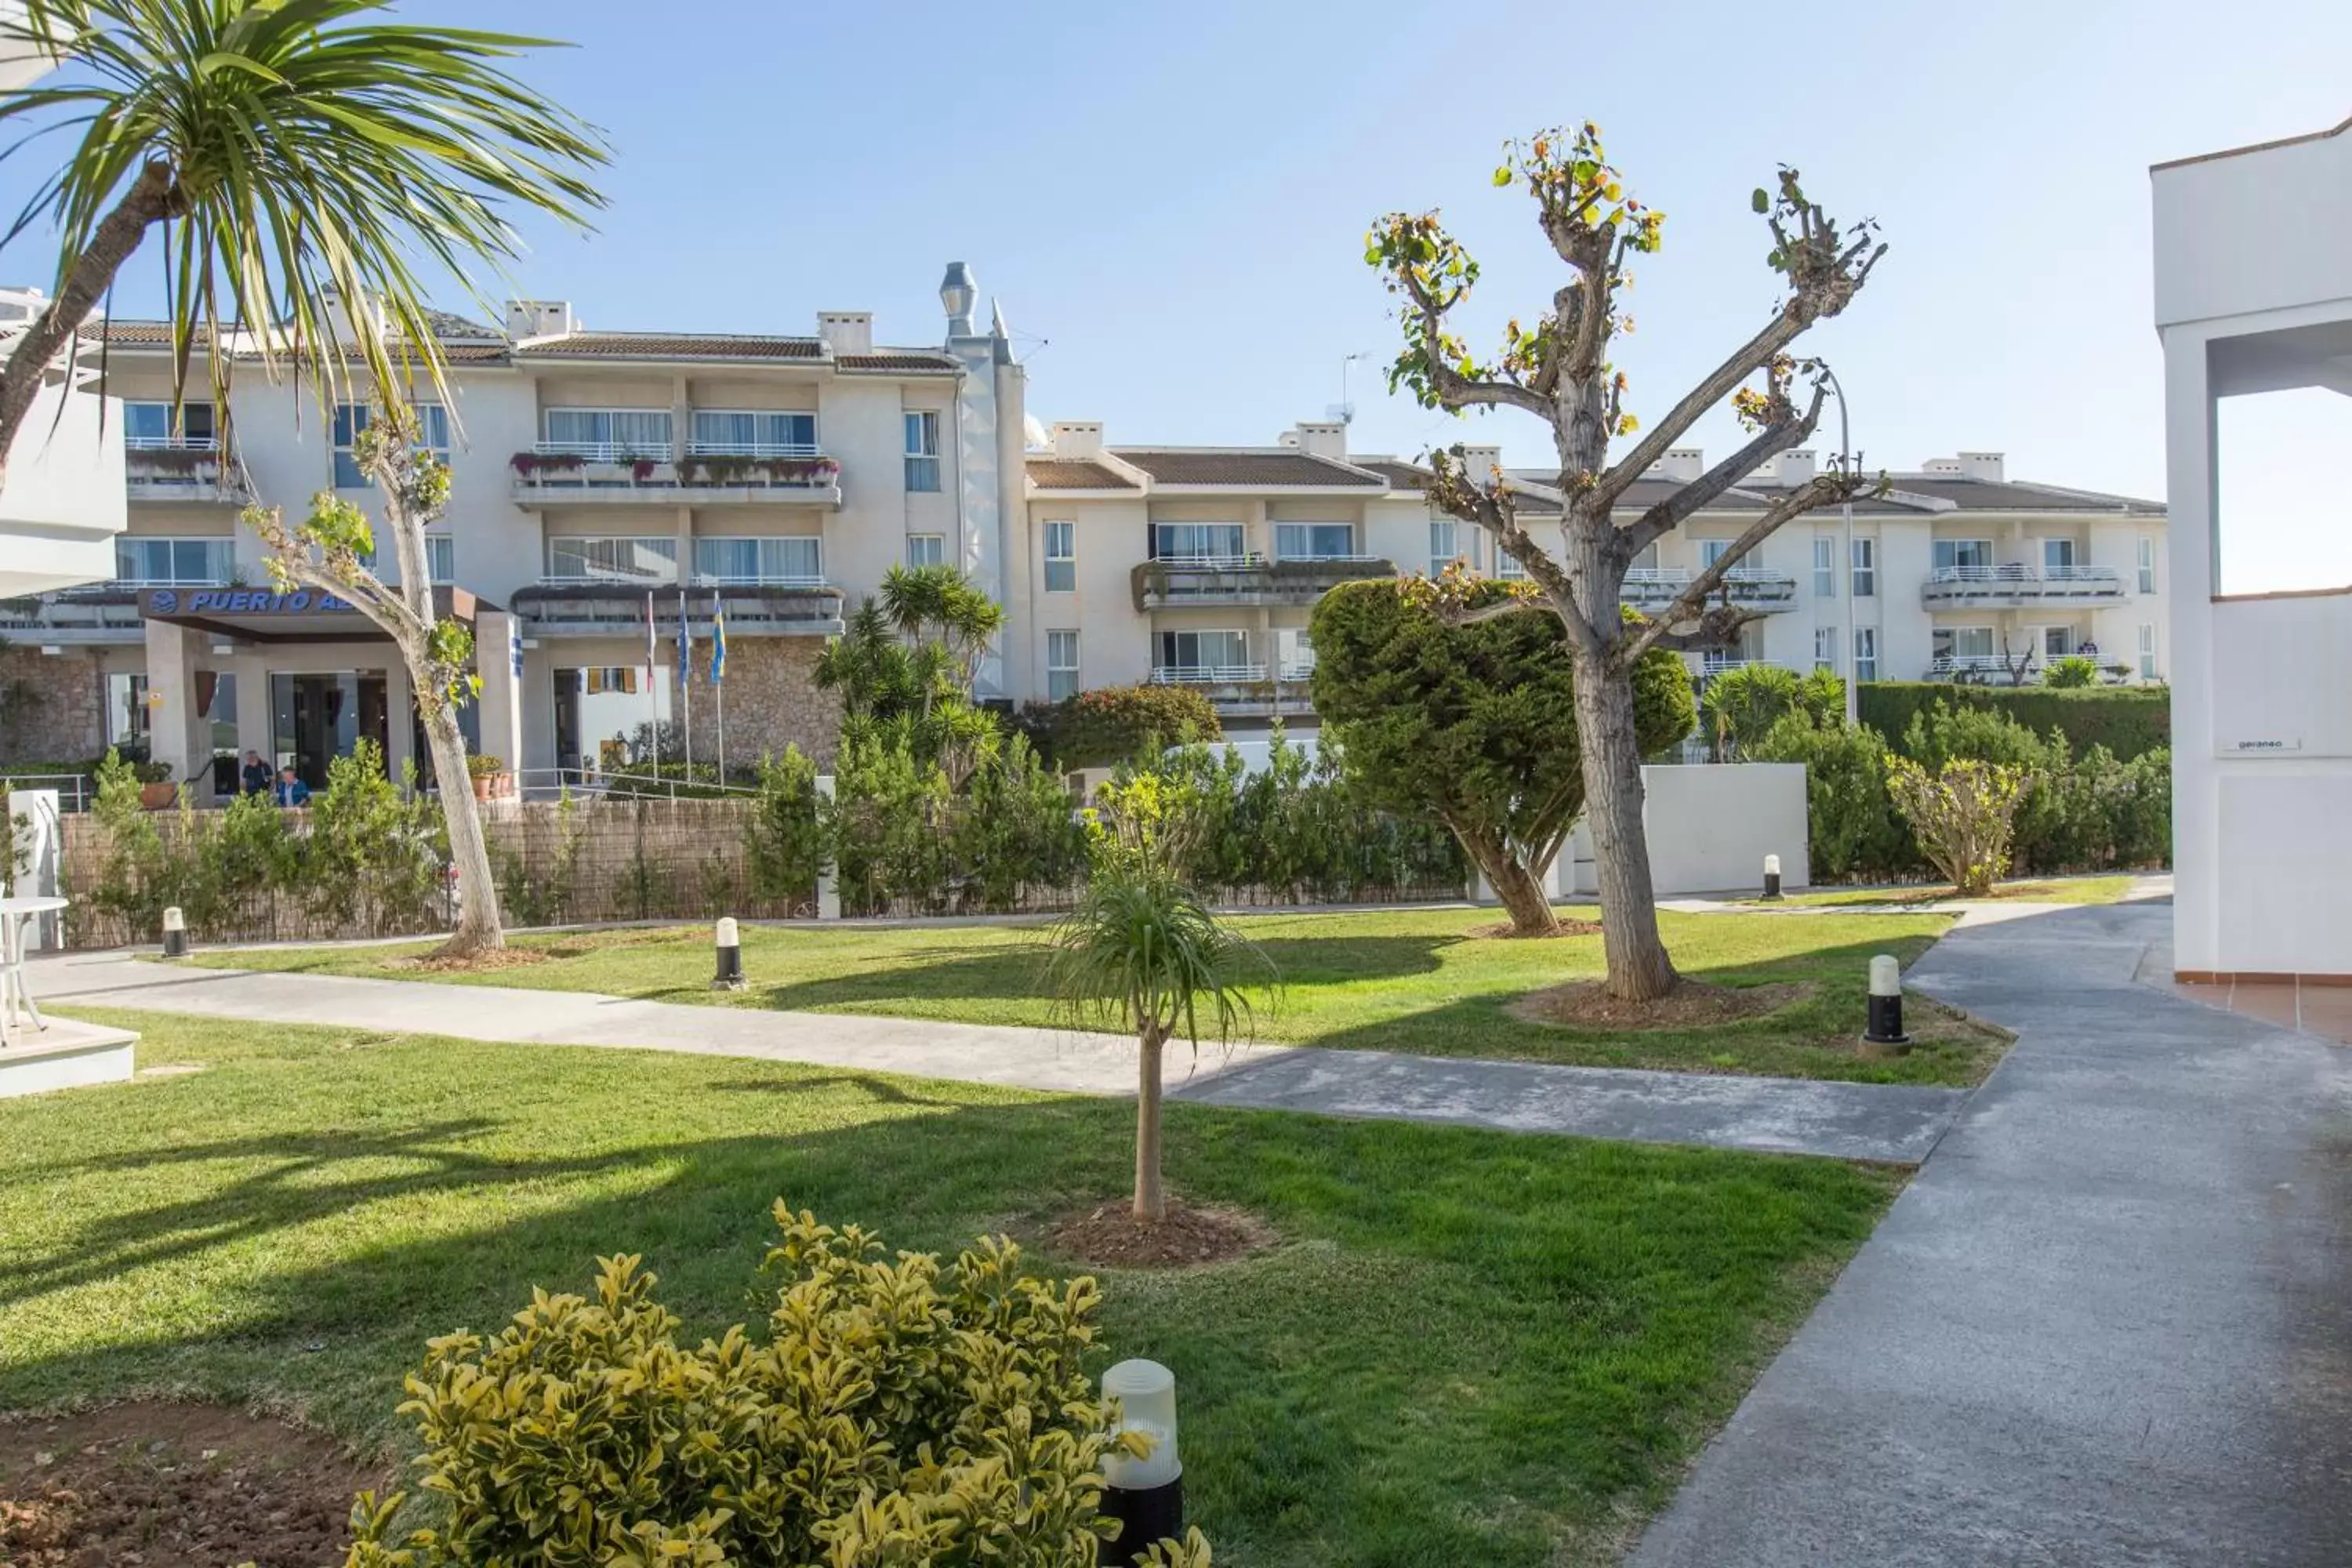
pixel 670 345
pixel 1066 474
pixel 1201 466
pixel 1399 476
pixel 898 359
pixel 1979 494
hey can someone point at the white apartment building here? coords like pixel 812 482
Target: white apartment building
pixel 1203 565
pixel 773 476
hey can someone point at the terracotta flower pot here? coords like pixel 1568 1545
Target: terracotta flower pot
pixel 159 796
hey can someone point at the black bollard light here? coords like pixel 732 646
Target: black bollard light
pixel 1885 1026
pixel 1144 1495
pixel 1772 878
pixel 175 933
pixel 730 973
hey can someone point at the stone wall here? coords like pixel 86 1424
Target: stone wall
pixel 52 706
pixel 772 700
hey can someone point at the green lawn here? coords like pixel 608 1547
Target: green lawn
pixel 1392 979
pixel 1468 1346
pixel 2037 890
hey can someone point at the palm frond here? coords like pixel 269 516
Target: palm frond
pixel 1143 951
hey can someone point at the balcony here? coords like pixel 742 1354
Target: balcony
pixel 1203 581
pixel 1758 588
pixel 606 473
pixel 1244 690
pixel 2020 587
pixel 603 606
pixel 1712 665
pixel 1654 586
pixel 75 617
pixel 192 472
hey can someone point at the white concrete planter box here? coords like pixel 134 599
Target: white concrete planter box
pixel 66 1054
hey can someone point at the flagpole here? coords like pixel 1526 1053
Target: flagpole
pixel 685 682
pixel 652 680
pixel 718 677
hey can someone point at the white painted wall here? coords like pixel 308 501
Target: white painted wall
pixel 1709 829
pixel 63 501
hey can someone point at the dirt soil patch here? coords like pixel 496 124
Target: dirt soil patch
pixel 1692 1004
pixel 1110 1236
pixel 1567 927
pixel 175 1486
pixel 497 958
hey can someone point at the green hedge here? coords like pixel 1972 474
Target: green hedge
pixel 2128 720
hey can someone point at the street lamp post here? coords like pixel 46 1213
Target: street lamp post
pixel 1846 546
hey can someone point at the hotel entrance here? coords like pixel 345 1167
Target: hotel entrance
pixel 318 718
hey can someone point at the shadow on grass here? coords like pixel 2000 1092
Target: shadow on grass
pixel 1472 1396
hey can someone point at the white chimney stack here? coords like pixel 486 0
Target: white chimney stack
pixel 1681 464
pixel 1985 468
pixel 529 319
pixel 847 332
pixel 1796 469
pixel 1322 438
pixel 1075 439
pixel 1479 464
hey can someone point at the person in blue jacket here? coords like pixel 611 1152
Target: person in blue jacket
pixel 291 791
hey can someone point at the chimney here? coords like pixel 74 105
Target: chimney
pixel 1480 464
pixel 960 294
pixel 1795 469
pixel 1681 464
pixel 1322 438
pixel 847 332
pixel 1985 468
pixel 1075 439
pixel 1943 467
pixel 528 319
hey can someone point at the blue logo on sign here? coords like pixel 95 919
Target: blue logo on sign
pixel 165 601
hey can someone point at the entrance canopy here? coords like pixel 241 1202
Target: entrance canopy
pixel 304 616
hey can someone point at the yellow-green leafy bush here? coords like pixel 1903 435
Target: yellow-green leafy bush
pixel 901 1413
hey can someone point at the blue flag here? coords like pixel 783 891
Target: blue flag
pixel 717 642
pixel 685 644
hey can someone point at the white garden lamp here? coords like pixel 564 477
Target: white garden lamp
pixel 1145 1494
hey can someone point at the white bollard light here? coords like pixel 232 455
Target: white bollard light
pixel 175 933
pixel 1772 878
pixel 730 972
pixel 1146 1495
pixel 1885 1024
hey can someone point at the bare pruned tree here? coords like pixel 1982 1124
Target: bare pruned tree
pixel 330 551
pixel 1559 371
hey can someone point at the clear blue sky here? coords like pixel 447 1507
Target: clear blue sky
pixel 1173 198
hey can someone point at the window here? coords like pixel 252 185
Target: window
pixel 927 549
pixel 1294 653
pixel 609 435
pixel 1205 656
pixel 1711 551
pixel 2057 556
pixel 1061 665
pixel 1061 558
pixel 795 561
pixel 351 418
pixel 1825 641
pixel 1824 568
pixel 1314 541
pixel 1443 536
pixel 1866 654
pixel 1865 571
pixel 619 679
pixel 1196 542
pixel 440 558
pixel 2146 565
pixel 1963 556
pixel 2057 642
pixel 146 426
pixel 1507 566
pixel 648 561
pixel 1962 642
pixel 174 563
pixel 923 451
pixel 2147 651
pixel 726 433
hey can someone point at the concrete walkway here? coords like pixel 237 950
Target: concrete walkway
pixel 2109 1323
pixel 1847 1121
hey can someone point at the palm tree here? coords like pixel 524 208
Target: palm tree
pixel 1142 950
pixel 293 152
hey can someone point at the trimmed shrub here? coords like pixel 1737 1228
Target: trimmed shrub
pixel 1963 815
pixel 1115 724
pixel 784 846
pixel 899 1412
pixel 2126 719
pixel 1857 834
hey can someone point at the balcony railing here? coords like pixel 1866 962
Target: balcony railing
pixel 169 443
pixel 1964 666
pixel 157 470
pixel 1712 665
pixel 1207 674
pixel 1645 584
pixel 572 473
pixel 2018 581
pixel 577 606
pixel 753 450
pixel 767 580
pixel 79 616
pixel 1251 579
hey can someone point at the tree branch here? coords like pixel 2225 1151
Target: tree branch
pixel 1453 389
pixel 1490 508
pixel 1686 605
pixel 1719 628
pixel 1672 512
pixel 1721 383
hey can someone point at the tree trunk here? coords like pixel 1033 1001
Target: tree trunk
pixel 1150 1197
pixel 1521 894
pixel 1638 969
pixel 479 929
pixel 117 234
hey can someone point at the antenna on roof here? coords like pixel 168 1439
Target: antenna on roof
pixel 1344 411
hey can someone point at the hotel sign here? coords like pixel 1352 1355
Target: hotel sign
pixel 241 602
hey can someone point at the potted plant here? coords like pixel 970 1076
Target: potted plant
pixel 157 791
pixel 491 780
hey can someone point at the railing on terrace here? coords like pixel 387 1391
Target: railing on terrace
pixel 75 791
pixel 753 450
pixel 1709 666
pixel 1655 582
pixel 554 784
pixel 171 444
pixel 1246 561
pixel 1207 674
pixel 602 451
pixel 1944 666
pixel 2019 577
pixel 770 580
